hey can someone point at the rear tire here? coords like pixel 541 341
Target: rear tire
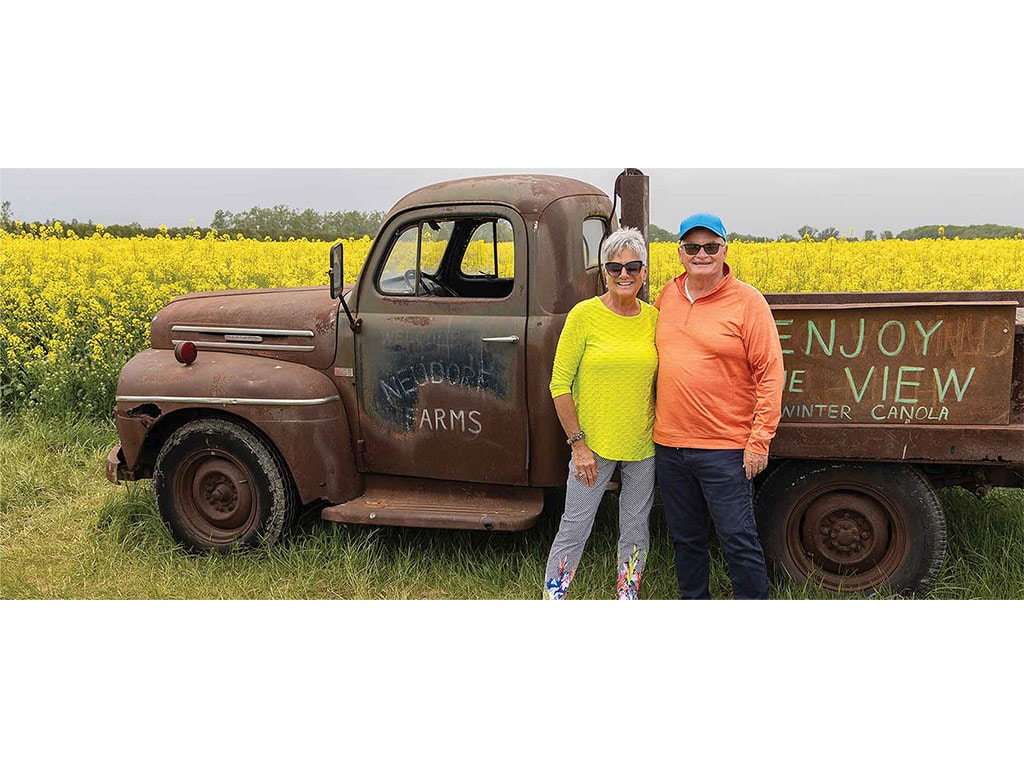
pixel 852 527
pixel 219 484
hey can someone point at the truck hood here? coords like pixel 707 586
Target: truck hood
pixel 294 324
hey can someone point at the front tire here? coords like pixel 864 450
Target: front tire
pixel 219 485
pixel 852 527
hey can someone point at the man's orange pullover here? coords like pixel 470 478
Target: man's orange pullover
pixel 720 373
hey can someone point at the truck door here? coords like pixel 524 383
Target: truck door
pixel 441 353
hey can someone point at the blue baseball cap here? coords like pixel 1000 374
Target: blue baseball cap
pixel 704 220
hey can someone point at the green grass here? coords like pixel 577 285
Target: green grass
pixel 66 533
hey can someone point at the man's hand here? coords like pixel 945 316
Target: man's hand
pixel 754 463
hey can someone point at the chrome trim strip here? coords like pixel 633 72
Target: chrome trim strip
pixel 225 400
pixel 237 345
pixel 256 331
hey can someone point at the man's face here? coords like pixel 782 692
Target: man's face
pixel 702 264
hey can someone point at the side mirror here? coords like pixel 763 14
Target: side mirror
pixel 337 275
pixel 337 272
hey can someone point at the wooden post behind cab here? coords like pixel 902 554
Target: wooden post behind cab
pixel 633 188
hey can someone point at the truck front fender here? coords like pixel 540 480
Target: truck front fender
pixel 296 407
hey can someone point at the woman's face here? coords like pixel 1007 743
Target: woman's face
pixel 627 283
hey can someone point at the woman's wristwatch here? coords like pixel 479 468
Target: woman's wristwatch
pixel 575 438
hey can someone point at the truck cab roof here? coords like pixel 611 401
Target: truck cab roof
pixel 527 193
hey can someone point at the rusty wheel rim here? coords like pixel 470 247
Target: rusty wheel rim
pixel 215 495
pixel 846 535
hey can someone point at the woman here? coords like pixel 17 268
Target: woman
pixel 603 388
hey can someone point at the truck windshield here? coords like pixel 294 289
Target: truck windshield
pixel 431 243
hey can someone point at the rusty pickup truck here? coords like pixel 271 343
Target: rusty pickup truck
pixel 419 395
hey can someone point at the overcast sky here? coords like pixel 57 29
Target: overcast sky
pixel 751 201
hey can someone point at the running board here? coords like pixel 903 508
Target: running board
pixel 422 503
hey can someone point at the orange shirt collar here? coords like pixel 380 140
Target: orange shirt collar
pixel 726 271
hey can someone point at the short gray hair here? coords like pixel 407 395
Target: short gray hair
pixel 629 238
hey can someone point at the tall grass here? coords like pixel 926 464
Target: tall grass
pixel 66 533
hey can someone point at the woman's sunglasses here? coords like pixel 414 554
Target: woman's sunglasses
pixel 614 269
pixel 692 249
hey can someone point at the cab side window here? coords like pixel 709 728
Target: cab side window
pixel 490 253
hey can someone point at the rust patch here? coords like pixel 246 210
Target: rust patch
pixel 147 412
pixel 324 325
pixel 421 321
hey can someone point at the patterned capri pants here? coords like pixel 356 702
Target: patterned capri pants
pixel 636 497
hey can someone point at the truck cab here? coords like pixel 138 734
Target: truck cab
pixel 460 304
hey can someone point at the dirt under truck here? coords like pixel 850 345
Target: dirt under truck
pixel 419 395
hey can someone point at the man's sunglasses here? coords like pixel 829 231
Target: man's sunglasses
pixel 692 249
pixel 614 269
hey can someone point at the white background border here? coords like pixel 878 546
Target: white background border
pixel 595 85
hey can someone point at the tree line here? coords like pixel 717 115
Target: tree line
pixel 280 222
pixel 933 231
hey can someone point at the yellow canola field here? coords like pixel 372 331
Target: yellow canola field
pixel 73 310
pixel 879 265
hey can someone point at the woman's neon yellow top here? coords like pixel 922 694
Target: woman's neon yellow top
pixel 609 363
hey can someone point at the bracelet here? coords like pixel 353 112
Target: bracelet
pixel 575 438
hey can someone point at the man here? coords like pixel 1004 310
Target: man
pixel 719 402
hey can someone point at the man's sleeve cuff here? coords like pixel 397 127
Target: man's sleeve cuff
pixel 759 446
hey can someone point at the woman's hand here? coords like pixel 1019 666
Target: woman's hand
pixel 583 460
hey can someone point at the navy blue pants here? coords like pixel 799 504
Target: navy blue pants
pixel 701 487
